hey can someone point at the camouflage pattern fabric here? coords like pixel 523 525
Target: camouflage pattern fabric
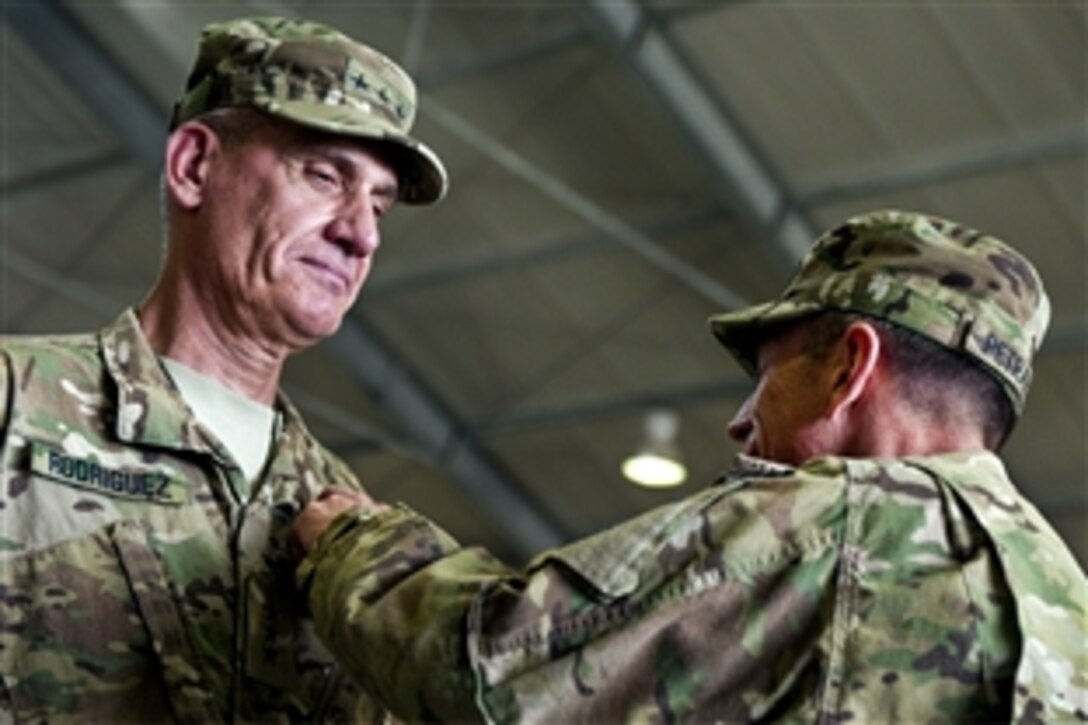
pixel 963 289
pixel 899 590
pixel 318 77
pixel 136 583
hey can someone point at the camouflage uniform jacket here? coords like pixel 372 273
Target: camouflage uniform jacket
pixel 137 582
pixel 911 590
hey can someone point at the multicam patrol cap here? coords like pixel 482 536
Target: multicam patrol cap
pixel 316 76
pixel 970 292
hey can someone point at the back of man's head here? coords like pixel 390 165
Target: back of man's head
pixel 943 387
pixel 954 305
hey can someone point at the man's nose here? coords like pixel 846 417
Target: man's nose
pixel 355 228
pixel 741 426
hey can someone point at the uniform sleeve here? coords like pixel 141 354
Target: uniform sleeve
pixel 437 631
pixel 390 593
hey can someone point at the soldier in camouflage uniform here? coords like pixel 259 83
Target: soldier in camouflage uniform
pixel 879 567
pixel 143 575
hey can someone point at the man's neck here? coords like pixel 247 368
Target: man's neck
pixel 901 431
pixel 181 329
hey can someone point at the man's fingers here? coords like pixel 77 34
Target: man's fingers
pixel 333 492
pixel 319 513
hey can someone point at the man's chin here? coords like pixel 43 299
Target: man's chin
pixel 310 329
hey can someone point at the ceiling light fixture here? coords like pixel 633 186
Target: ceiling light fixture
pixel 657 463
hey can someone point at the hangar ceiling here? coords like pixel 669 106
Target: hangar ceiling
pixel 620 171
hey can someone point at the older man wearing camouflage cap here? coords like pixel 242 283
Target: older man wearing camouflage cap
pixel 867 559
pixel 150 469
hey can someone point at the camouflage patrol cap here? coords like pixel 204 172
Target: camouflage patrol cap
pixel 318 77
pixel 968 291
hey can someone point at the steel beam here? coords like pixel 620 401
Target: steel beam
pixel 417 32
pixel 85 295
pixel 746 178
pixel 99 81
pixel 578 204
pixel 611 407
pixel 468 266
pixel 449 444
pixel 65 173
pixel 1052 145
pixel 62 268
pixel 540 44
pixel 1067 340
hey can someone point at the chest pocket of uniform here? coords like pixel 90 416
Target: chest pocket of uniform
pixel 89 628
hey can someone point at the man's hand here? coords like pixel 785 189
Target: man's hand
pixel 319 513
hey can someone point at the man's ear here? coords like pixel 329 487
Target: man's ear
pixel 189 153
pixel 856 357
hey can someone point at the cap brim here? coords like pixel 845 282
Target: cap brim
pixel 421 174
pixel 742 332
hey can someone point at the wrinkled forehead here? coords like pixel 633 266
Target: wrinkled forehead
pixel 295 140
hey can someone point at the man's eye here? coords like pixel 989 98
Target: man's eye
pixel 324 177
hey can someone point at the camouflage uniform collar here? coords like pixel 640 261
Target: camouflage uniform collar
pixel 964 467
pixel 969 464
pixel 150 410
pixel 291 456
pixel 745 466
pixel 978 470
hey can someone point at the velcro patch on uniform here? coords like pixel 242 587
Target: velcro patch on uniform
pixel 122 481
